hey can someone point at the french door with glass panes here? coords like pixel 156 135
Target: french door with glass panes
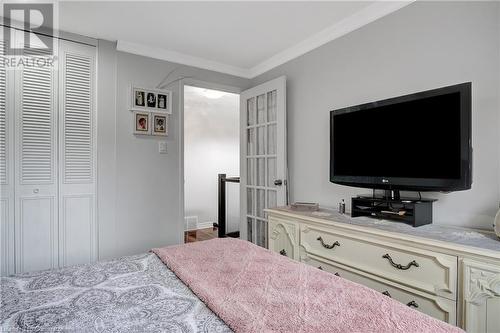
pixel 263 156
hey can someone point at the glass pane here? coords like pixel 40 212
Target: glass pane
pixel 261 203
pixel 261 172
pixel 271 106
pixel 271 139
pixel 232 207
pixel 271 199
pixel 250 171
pixel 261 148
pixel 251 142
pixel 265 235
pixel 258 232
pixel 261 109
pixel 251 111
pixel 271 171
pixel 250 229
pixel 250 201
pixel 261 233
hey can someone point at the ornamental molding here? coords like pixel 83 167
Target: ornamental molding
pixel 481 282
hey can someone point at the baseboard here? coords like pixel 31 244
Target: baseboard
pixel 190 222
pixel 204 225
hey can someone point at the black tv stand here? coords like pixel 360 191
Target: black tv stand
pixel 415 212
pixel 392 195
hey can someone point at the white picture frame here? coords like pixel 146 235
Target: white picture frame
pixel 149 99
pixel 159 124
pixel 142 123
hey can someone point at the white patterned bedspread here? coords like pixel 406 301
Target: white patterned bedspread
pixel 130 294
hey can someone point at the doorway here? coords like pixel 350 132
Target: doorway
pixel 211 145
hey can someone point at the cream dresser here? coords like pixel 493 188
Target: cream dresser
pixel 452 274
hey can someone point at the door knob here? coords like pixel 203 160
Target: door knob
pixel 36 190
pixel 278 182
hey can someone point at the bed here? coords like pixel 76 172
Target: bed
pixel 130 294
pixel 211 286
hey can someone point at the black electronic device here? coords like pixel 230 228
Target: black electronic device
pixel 417 142
pixel 415 212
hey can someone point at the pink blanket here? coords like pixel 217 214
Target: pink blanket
pixel 255 290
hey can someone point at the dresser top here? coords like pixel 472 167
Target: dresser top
pixel 475 238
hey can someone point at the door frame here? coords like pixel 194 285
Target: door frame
pixel 199 84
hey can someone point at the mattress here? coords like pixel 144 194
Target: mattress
pixel 129 294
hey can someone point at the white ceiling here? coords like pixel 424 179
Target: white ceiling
pixel 239 38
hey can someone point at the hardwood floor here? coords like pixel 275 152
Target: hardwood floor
pixel 199 235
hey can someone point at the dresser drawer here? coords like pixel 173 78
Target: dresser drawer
pixel 438 307
pixel 431 272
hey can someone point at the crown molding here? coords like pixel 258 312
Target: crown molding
pixel 360 18
pixel 181 58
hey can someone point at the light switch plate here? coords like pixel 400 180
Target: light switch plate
pixel 162 147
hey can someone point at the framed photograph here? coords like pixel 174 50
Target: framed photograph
pixel 162 101
pixel 152 100
pixel 142 124
pixel 159 124
pixel 139 98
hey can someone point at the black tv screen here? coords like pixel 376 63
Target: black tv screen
pixel 418 142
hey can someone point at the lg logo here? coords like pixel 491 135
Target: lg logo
pixel 33 21
pixel 385 180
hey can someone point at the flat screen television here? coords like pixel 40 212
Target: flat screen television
pixel 416 142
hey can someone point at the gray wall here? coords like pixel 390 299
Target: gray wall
pixel 423 46
pixel 498 108
pixel 139 189
pixel 106 148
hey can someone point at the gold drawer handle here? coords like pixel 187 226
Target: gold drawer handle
pixel 326 246
pixel 386 293
pixel 283 253
pixel 412 304
pixel 399 266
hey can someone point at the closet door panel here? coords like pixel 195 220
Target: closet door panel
pixel 38 236
pixel 37 128
pixel 78 227
pixel 6 169
pixel 77 242
pixel 3 122
pixel 36 184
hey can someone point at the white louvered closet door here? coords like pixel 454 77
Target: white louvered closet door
pixel 54 162
pixel 77 152
pixel 36 241
pixel 6 169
